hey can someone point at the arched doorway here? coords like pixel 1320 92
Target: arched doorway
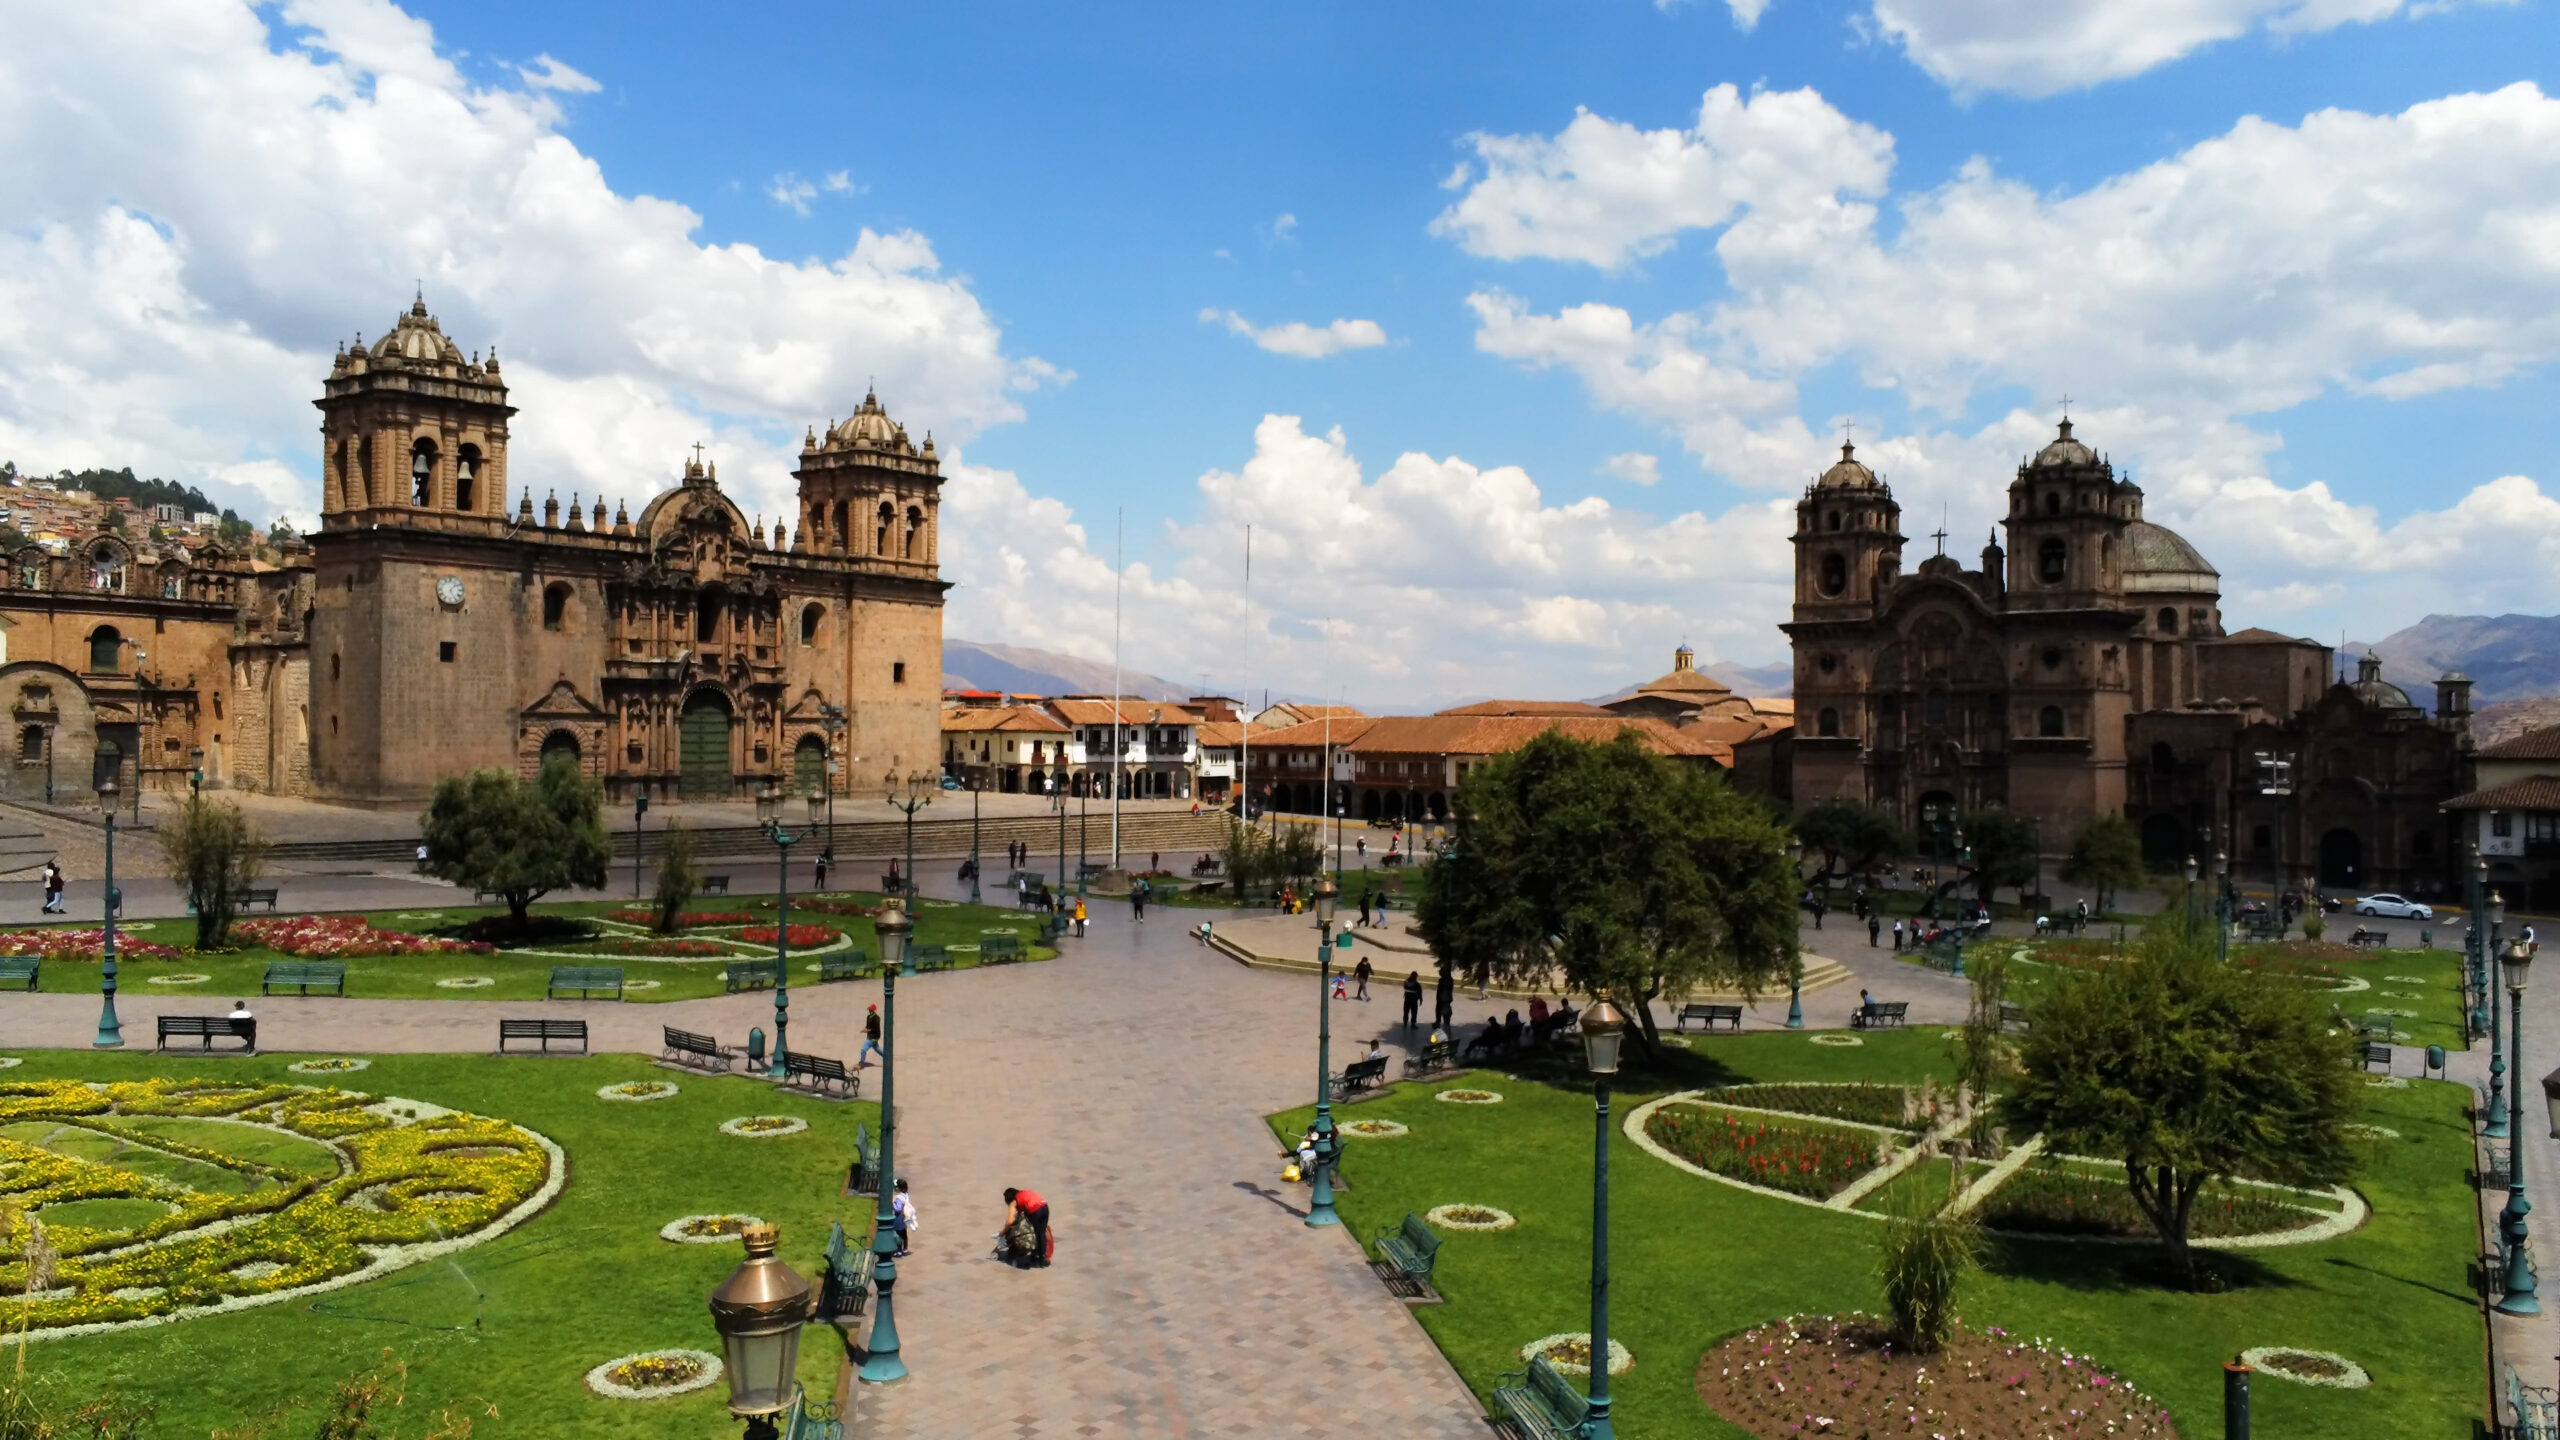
pixel 2342 858
pixel 2164 842
pixel 1368 804
pixel 704 747
pixel 107 763
pixel 559 742
pixel 809 766
pixel 1395 807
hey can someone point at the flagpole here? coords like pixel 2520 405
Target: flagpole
pixel 1119 746
pixel 1244 656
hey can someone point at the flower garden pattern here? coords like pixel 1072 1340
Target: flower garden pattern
pixel 167 1199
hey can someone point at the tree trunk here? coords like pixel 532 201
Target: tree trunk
pixel 2167 1198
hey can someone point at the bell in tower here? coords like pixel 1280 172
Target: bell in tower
pixel 1848 538
pixel 412 433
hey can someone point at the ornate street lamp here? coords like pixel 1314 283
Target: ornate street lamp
pixel 758 1311
pixel 195 777
pixel 769 816
pixel 639 812
pixel 974 783
pixel 110 1034
pixel 2496 1127
pixel 881 1363
pixel 2519 1287
pixel 919 795
pixel 1603 1026
pixel 1320 1204
pixel 2221 907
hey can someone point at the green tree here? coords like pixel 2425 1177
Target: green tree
pixel 2189 1072
pixel 2004 853
pixel 1849 837
pixel 490 831
pixel 2106 856
pixel 1613 871
pixel 679 875
pixel 1985 1055
pixel 215 849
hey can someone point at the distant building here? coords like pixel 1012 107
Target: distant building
pixel 1003 749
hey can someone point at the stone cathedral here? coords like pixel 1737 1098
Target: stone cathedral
pixel 428 629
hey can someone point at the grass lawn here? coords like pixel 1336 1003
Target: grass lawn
pixel 2420 990
pixel 502 1332
pixel 525 977
pixel 1694 1260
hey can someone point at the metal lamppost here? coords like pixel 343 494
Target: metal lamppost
pixel 974 784
pixel 2519 1287
pixel 758 1311
pixel 1602 1028
pixel 2191 892
pixel 769 815
pixel 1058 802
pixel 2496 1127
pixel 919 795
pixel 639 811
pixel 195 777
pixel 1320 1204
pixel 881 1363
pixel 1084 827
pixel 1795 972
pixel 2476 947
pixel 2222 907
pixel 110 1034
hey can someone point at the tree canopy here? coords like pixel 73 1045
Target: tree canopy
pixel 2004 852
pixel 218 852
pixel 490 831
pixel 2106 856
pixel 1849 837
pixel 2188 1071
pixel 1614 872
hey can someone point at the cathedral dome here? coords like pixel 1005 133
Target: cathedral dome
pixel 2063 451
pixel 1848 474
pixel 870 425
pixel 418 339
pixel 2159 558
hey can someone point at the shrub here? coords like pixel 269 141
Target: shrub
pixel 678 877
pixel 215 849
pixel 1927 1255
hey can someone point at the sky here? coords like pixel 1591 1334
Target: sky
pixel 1512 331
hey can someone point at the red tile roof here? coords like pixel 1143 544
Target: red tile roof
pixel 2531 745
pixel 1530 707
pixel 2533 792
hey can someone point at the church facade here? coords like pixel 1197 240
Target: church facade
pixel 426 630
pixel 2085 669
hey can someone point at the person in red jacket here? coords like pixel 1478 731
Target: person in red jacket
pixel 1026 1207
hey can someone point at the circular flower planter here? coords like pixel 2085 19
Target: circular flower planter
pixel 763 1127
pixel 465 982
pixel 2406 979
pixel 706 1229
pixel 10 1062
pixel 1468 1097
pixel 655 1374
pixel 2307 1367
pixel 637 1090
pixel 2386 1082
pixel 1833 1037
pixel 1471 1217
pixel 179 979
pixel 639 984
pixel 334 1065
pixel 1373 1129
pixel 2373 1132
pixel 1559 1350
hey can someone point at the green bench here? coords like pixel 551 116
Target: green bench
pixel 844 1286
pixel 1438 1055
pixel 20 967
pixel 845 965
pixel 302 975
pixel 1411 1248
pixel 740 975
pixel 864 1176
pixel 1000 950
pixel 585 979
pixel 1542 1402
pixel 930 957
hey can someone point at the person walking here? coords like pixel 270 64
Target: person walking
pixel 1874 928
pixel 1412 999
pixel 870 1041
pixel 1079 917
pixel 1364 908
pixel 53 887
pixel 902 1215
pixel 1897 937
pixel 1445 1001
pixel 1138 902
pixel 1361 972
pixel 1361 844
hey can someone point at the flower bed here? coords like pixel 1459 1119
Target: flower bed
pixel 805 936
pixel 2057 1199
pixel 1799 1157
pixel 336 937
pixel 2307 1367
pixel 1864 1104
pixel 1470 1217
pixel 72 945
pixel 763 1127
pixel 1839 1375
pixel 466 982
pixel 706 1229
pixel 331 1065
pixel 655 1374
pixel 661 945
pixel 638 1090
pixel 1374 1129
pixel 1467 1097
pixel 1571 1354
pixel 685 920
pixel 822 905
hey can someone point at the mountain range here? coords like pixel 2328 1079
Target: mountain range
pixel 2508 657
pixel 977 665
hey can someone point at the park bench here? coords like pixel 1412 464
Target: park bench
pixel 2377 1050
pixel 934 956
pixel 845 965
pixel 302 975
pixel 1438 1055
pixel 1542 1402
pixel 209 1028
pixel 1034 898
pixel 1876 1014
pixel 544 1031
pixel 713 885
pixel 20 967
pixel 243 899
pixel 687 1048
pixel 893 883
pixel 1000 949
pixel 844 1285
pixel 2012 1015
pixel 2380 939
pixel 1205 865
pixel 820 1072
pixel 1708 1016
pixel 585 979
pixel 1411 1248
pixel 740 975
pixel 1945 953
pixel 1359 1075
pixel 863 1176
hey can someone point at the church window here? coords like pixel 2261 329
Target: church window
pixel 422 472
pixel 1829 663
pixel 333 667
pixel 915 531
pixel 1835 574
pixel 880 541
pixel 1933 708
pixel 1831 521
pixel 555 605
pixel 445 651
pixel 2501 824
pixel 466 476
pixel 898 672
pixel 706 614
pixel 106 650
pixel 2261 838
pixel 2053 561
pixel 2052 503
pixel 31 742
pixel 2052 658
pixel 2168 620
pixel 364 471
pixel 2049 722
pixel 2422 845
pixel 1827 723
pixel 2163 758
pixel 809 619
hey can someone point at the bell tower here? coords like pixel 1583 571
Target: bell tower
pixel 412 434
pixel 2067 518
pixel 1848 541
pixel 868 493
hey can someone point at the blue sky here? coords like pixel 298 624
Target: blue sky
pixel 1100 188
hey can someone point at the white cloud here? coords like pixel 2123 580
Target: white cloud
pixel 546 73
pixel 840 182
pixel 1284 230
pixel 1635 467
pixel 1307 342
pixel 2047 46
pixel 1607 193
pixel 179 266
pixel 791 191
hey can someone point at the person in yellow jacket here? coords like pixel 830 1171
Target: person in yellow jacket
pixel 1079 917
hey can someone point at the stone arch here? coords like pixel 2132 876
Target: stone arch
pixel 466 477
pixel 880 541
pixel 559 742
pixel 812 618
pixel 555 605
pixel 422 472
pixel 2049 722
pixel 809 766
pixel 106 650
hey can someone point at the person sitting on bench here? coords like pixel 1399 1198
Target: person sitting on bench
pixel 239 1011
pixel 1487 1039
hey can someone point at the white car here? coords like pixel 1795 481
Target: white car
pixel 2394 905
